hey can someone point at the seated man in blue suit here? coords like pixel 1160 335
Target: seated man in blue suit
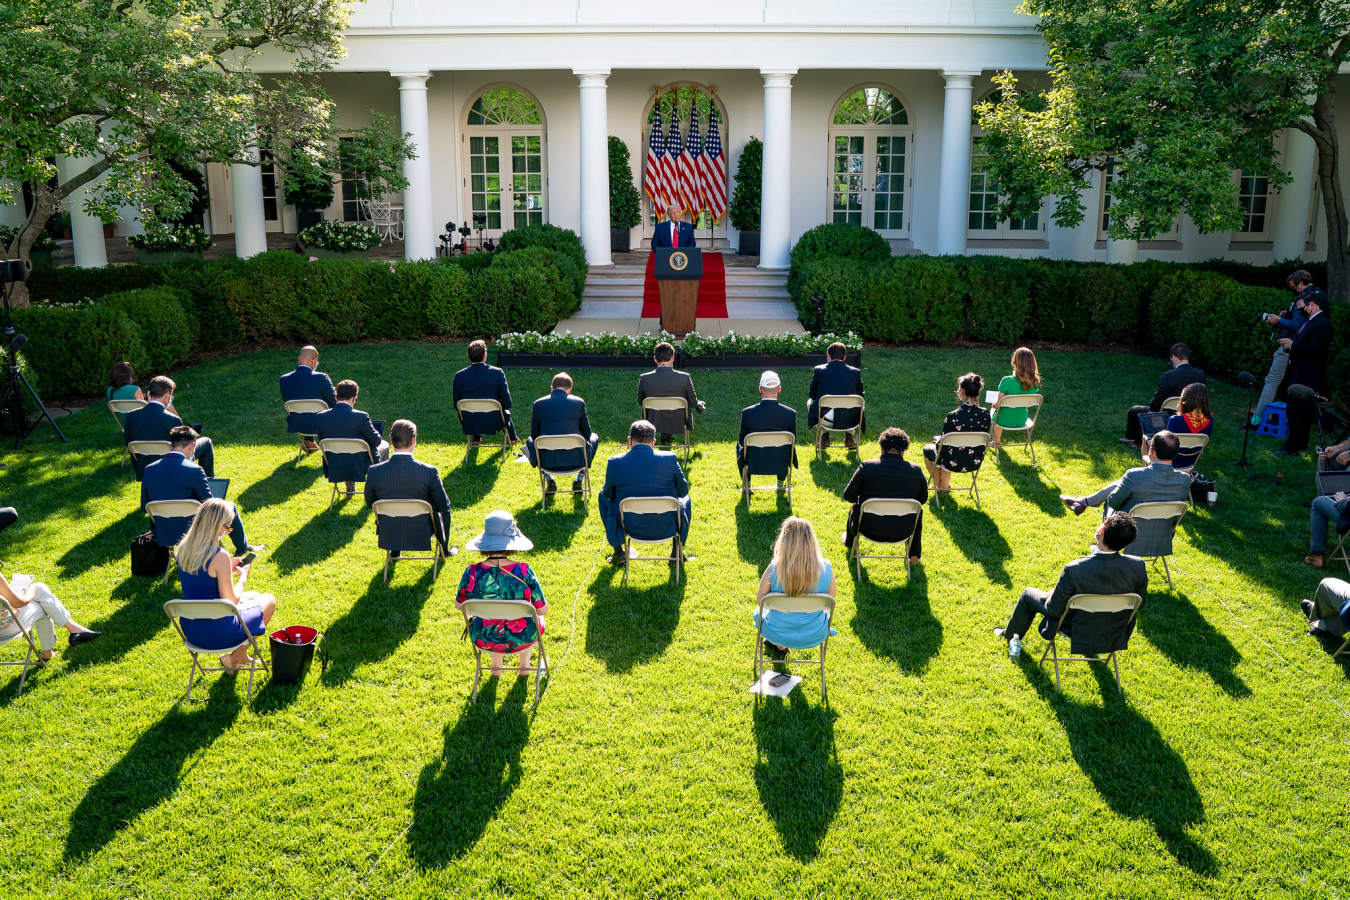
pixel 644 471
pixel 344 420
pixel 768 415
pixel 306 383
pixel 561 413
pixel 672 232
pixel 172 477
pixel 834 378
pixel 153 422
pixel 479 381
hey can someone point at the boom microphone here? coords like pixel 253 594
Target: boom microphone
pixel 1306 394
pixel 1246 379
pixel 17 344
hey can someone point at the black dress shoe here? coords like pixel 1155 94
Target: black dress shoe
pixel 394 554
pixel 550 488
pixel 577 486
pixel 1307 607
pixel 1283 453
pixel 84 637
pixel 773 651
pixel 619 558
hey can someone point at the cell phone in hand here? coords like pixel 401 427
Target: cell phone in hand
pixel 780 679
pixel 248 558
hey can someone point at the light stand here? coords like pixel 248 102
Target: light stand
pixel 11 271
pixel 1248 380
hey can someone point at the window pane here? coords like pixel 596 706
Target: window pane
pixel 841 144
pixel 535 183
pixel 494 183
pixel 476 145
pixel 518 183
pixel 855 145
pixel 494 201
pixel 535 164
pixel 475 163
pixel 521 219
pixel 855 218
pixel 897 220
pixel 490 145
pixel 883 146
pixel 532 143
pixel 493 163
pixel 476 183
pixel 495 220
pixel 517 143
pixel 537 218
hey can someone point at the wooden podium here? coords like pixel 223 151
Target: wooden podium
pixel 678 272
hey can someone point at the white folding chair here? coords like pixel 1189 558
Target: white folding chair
pixel 1032 404
pixel 1169 509
pixel 556 442
pixel 654 404
pixel 1171 404
pixel 482 406
pixel 505 609
pixel 172 509
pixel 410 509
pixel 962 439
pixel 1092 604
pixel 766 439
pixel 1193 442
pixel 641 506
pixel 214 609
pixel 886 507
pixel 338 447
pixel 305 406
pixel 144 448
pixel 27 635
pixel 837 402
pixel 122 407
pixel 805 603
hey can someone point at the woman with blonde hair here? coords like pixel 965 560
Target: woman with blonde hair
pixel 206 572
pixel 1025 379
pixel 797 568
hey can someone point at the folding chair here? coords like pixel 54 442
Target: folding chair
pixel 482 406
pixel 1341 552
pixel 961 439
pixel 1171 404
pixel 1032 404
pixel 641 506
pixel 885 507
pixel 172 509
pixel 505 609
pixel 1171 509
pixel 766 440
pixel 652 404
pixel 410 509
pixel 838 402
pixel 1344 651
pixel 116 407
pixel 1092 604
pixel 562 442
pixel 305 406
pixel 338 447
pixel 213 609
pixel 805 603
pixel 1192 442
pixel 27 635
pixel 144 448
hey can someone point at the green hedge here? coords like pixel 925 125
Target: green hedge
pixel 159 314
pixel 72 349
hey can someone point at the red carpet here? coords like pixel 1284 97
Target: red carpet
pixel 712 290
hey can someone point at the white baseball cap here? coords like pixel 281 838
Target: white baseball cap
pixel 769 380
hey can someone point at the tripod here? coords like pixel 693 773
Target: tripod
pixel 11 400
pixel 1250 381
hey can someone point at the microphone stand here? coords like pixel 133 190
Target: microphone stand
pixel 9 392
pixel 1247 432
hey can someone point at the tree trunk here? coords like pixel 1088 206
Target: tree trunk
pixel 45 203
pixel 1333 197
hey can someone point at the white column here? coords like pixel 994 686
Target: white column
pixel 419 230
pixel 1121 251
pixel 775 206
pixel 954 179
pixel 1291 222
pixel 594 165
pixel 86 231
pixel 250 222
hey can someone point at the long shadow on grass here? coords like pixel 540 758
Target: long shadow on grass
pixel 460 791
pixel 1131 766
pixel 476 475
pixel 151 770
pixel 1176 628
pixel 375 626
pixel 109 545
pixel 896 621
pixel 797 771
pixel 316 540
pixel 977 536
pixel 757 526
pixel 1030 486
pixel 629 626
pixel 550 529
pixel 286 480
pixel 832 473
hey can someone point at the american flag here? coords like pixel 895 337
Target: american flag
pixel 654 178
pixel 691 177
pixel 675 159
pixel 713 170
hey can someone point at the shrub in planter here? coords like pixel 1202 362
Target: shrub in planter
pixel 915 298
pixel 550 237
pixel 743 213
pixel 163 242
pixel 625 203
pixel 264 297
pixel 449 296
pixel 165 332
pixel 841 284
pixel 566 268
pixel 73 348
pixel 999 298
pixel 340 237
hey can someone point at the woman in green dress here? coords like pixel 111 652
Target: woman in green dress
pixel 1025 379
pixel 498 577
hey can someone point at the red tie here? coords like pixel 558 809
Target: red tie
pixel 674 234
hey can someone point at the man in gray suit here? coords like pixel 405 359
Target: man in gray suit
pixel 404 478
pixel 1158 482
pixel 666 381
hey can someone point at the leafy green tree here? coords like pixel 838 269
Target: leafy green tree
pixel 125 91
pixel 625 203
pixel 1174 95
pixel 744 210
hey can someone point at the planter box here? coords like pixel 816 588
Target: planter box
pixel 154 257
pixel 334 254
pixel 748 244
pixel 759 361
pixel 307 218
pixel 507 359
pixel 619 240
pixel 40 257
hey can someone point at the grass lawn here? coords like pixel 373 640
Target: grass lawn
pixel 939 768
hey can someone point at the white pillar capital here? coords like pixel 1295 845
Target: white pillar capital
pixel 597 78
pixel 412 79
pixel 595 165
pixel 781 78
pixel 959 78
pixel 419 234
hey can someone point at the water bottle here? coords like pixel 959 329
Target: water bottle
pixel 1014 648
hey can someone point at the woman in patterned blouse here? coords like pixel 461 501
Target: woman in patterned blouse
pixel 498 577
pixel 970 417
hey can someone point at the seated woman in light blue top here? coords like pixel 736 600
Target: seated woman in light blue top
pixel 797 568
pixel 122 386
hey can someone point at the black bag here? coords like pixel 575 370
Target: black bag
pixel 1200 488
pixel 148 559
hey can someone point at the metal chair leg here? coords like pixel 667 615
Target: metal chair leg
pixel 627 552
pixel 23 676
pixel 192 676
pixel 1116 663
pixel 387 556
pixel 1168 573
pixel 477 673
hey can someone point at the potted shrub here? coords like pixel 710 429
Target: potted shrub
pixel 40 254
pixel 605 350
pixel 608 350
pixel 744 210
pixel 339 240
pixel 625 203
pixel 769 351
pixel 308 187
pixel 168 243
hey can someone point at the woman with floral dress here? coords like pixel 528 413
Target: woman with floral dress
pixel 498 577
pixel 969 417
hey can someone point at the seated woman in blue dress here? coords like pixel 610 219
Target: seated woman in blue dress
pixel 206 572
pixel 797 568
pixel 1193 417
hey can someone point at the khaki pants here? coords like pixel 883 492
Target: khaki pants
pixel 44 615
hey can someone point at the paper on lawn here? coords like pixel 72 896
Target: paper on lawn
pixel 763 687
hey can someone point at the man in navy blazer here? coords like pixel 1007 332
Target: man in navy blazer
pixel 768 415
pixel 406 478
pixel 153 422
pixel 172 477
pixel 306 383
pixel 561 413
pixel 344 420
pixel 672 232
pixel 479 381
pixel 834 378
pixel 644 471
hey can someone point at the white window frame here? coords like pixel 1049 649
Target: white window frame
pixel 870 133
pixel 1004 230
pixel 503 133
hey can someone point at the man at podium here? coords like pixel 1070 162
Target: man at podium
pixel 673 232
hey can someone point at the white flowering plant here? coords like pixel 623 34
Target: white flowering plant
pixel 771 344
pixel 340 237
pixel 43 243
pixel 607 343
pixel 160 238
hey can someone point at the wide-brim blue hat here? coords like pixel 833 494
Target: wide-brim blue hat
pixel 499 533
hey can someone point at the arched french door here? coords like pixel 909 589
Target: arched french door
pixel 871 177
pixel 506 161
pixel 684 101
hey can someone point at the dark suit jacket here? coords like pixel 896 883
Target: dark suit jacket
pixel 643 471
pixel 667 381
pixel 661 236
pixel 561 413
pixel 1308 354
pixel 406 478
pixel 344 422
pixel 1100 573
pixel 892 478
pixel 149 423
pixel 835 377
pixel 479 381
pixel 305 384
pixel 1172 381
pixel 767 415
pixel 172 477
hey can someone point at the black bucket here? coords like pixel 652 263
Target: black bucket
pixel 291 660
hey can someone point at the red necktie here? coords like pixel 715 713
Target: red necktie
pixel 674 234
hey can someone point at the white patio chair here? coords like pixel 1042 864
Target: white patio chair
pixel 641 506
pixel 410 509
pixel 1092 604
pixel 27 635
pixel 482 406
pixel 506 609
pixel 885 507
pixel 962 439
pixel 1162 510
pixel 1032 404
pixel 172 509
pixel 339 447
pixel 305 406
pixel 653 404
pixel 144 448
pixel 213 609
pixel 805 603
pixel 766 440
pixel 838 402
pixel 382 218
pixel 554 442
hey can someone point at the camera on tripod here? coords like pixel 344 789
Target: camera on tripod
pixel 13 271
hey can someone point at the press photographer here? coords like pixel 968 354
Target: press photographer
pixel 1286 326
pixel 1308 350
